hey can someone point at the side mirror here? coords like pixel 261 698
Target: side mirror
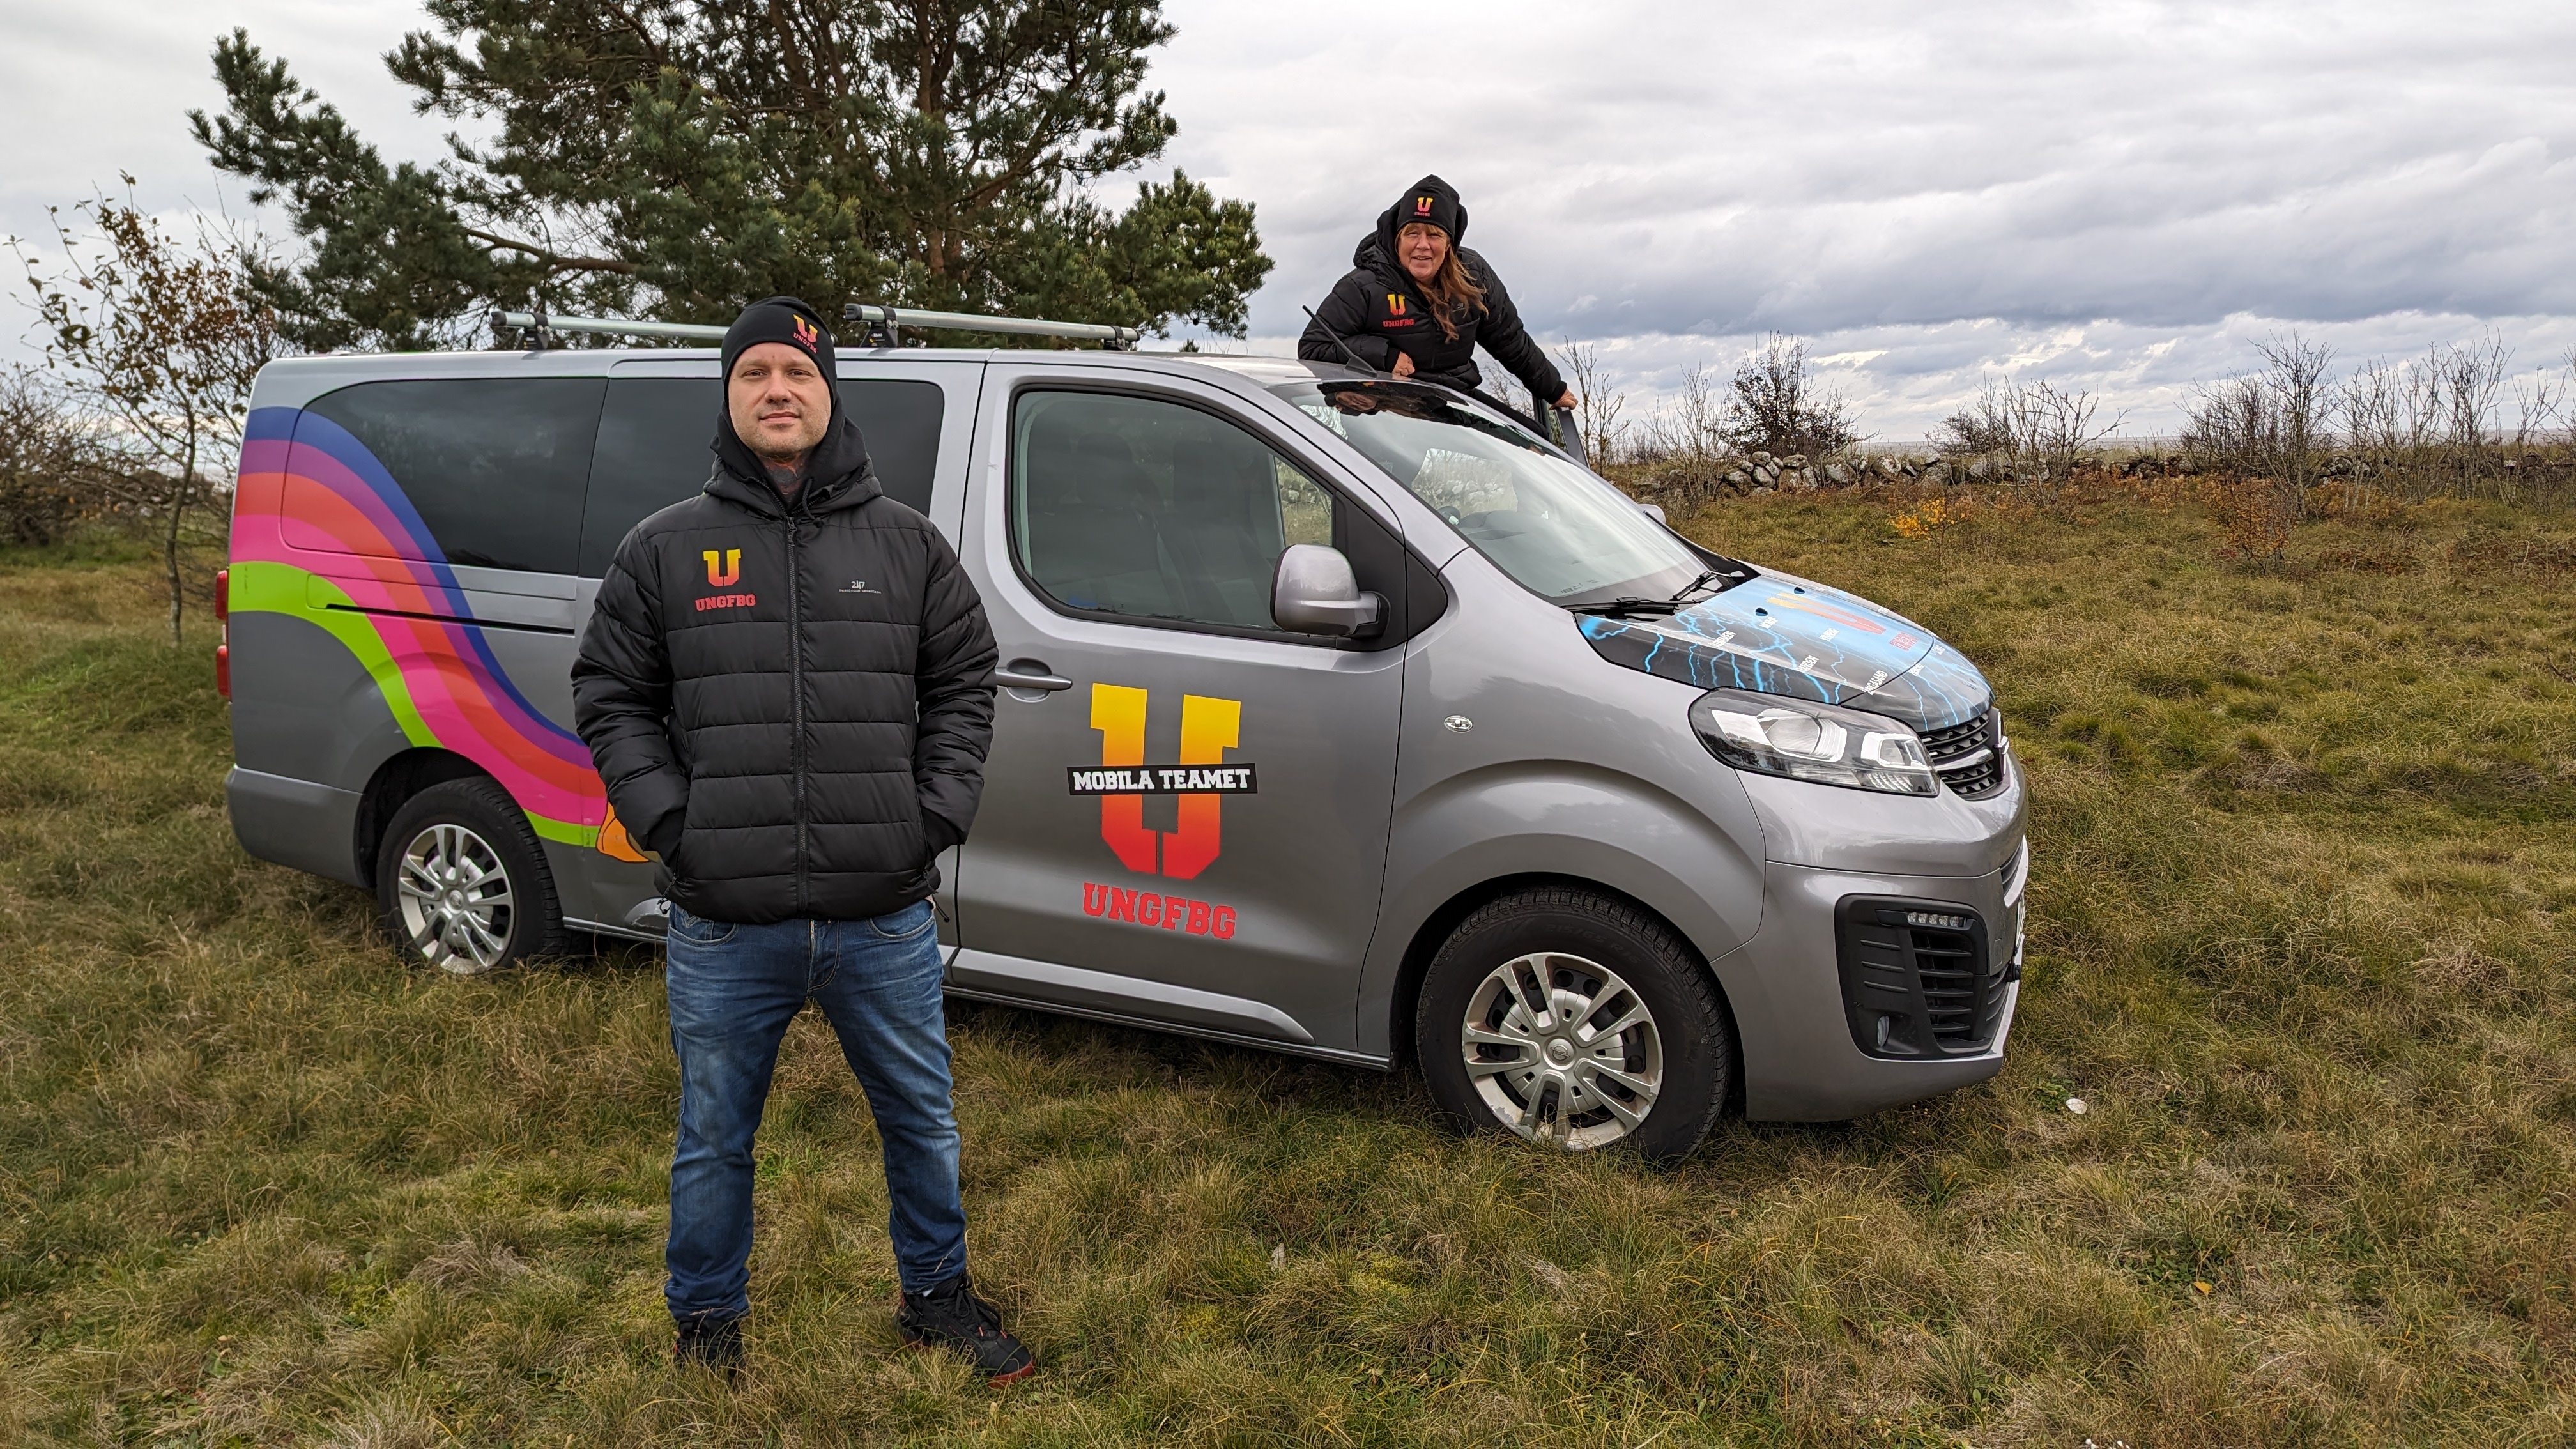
pixel 1654 511
pixel 1315 592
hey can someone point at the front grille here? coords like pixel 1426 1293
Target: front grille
pixel 1969 757
pixel 1918 978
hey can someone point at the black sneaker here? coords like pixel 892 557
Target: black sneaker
pixel 709 1342
pixel 951 1316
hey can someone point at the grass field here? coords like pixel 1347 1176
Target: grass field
pixel 2304 939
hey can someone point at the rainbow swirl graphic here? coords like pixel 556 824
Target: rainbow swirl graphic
pixel 323 533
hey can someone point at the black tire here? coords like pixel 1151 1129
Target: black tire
pixel 496 909
pixel 1590 945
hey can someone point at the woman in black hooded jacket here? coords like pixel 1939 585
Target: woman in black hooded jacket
pixel 1417 304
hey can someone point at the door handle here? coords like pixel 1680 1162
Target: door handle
pixel 1029 674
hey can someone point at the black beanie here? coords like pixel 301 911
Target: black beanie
pixel 780 319
pixel 1434 201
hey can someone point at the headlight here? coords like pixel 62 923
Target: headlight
pixel 1820 742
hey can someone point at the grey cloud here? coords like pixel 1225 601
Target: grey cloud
pixel 2119 194
pixel 1838 165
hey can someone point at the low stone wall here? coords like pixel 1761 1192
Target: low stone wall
pixel 1688 480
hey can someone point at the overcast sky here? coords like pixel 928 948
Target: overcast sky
pixel 2122 196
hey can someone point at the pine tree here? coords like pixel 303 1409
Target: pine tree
pixel 678 158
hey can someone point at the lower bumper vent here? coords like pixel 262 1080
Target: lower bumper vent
pixel 1919 978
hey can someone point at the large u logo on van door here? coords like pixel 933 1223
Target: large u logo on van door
pixel 1209 728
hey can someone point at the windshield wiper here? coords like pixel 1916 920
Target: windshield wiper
pixel 1707 577
pixel 1627 607
pixel 1630 606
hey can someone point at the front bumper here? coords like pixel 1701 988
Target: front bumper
pixel 1801 1061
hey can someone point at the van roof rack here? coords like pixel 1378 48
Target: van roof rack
pixel 882 326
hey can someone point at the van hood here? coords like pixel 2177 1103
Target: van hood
pixel 1775 634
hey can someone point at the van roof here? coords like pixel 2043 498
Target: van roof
pixel 295 381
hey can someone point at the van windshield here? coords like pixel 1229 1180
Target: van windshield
pixel 1557 530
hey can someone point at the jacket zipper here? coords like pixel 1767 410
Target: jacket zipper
pixel 796 691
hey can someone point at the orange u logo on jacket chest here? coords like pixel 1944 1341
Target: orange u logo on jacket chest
pixel 723 571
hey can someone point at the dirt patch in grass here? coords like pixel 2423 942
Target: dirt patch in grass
pixel 2301 940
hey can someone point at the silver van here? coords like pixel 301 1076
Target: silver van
pixel 1339 715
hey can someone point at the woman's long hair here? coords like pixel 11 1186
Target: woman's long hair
pixel 1452 291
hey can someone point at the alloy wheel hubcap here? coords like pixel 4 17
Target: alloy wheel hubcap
pixel 456 903
pixel 1561 1050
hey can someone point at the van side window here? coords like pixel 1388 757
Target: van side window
pixel 494 466
pixel 1127 505
pixel 655 448
pixel 899 418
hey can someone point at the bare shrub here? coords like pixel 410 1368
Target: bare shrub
pixel 2385 417
pixel 2271 425
pixel 1599 406
pixel 2031 423
pixel 2469 376
pixel 1774 405
pixel 1983 429
pixel 162 336
pixel 2060 426
pixel 51 462
pixel 1690 426
pixel 2435 425
pixel 2540 407
pixel 2260 439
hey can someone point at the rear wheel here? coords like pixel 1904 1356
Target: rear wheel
pixel 1573 1020
pixel 462 882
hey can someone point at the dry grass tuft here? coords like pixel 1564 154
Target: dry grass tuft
pixel 2302 942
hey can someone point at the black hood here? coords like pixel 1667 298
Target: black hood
pixel 837 472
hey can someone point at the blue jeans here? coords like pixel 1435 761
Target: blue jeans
pixel 733 990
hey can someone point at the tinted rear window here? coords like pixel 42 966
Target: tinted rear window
pixel 494 466
pixel 654 448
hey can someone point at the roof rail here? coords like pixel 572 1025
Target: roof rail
pixel 881 322
pixel 881 325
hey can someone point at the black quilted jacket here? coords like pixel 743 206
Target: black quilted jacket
pixel 789 704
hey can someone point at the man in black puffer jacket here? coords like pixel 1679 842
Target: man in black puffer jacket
pixel 1417 304
pixel 786 685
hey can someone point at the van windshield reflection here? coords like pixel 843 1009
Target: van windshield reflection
pixel 1557 530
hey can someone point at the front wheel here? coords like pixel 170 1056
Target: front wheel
pixel 1574 1020
pixel 462 882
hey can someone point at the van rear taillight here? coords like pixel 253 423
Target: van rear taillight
pixel 224 647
